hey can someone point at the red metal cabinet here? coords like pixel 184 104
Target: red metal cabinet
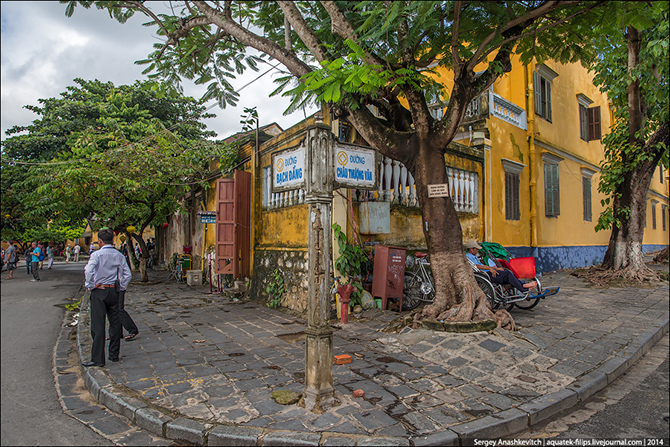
pixel 389 274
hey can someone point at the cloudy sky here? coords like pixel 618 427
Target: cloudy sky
pixel 42 51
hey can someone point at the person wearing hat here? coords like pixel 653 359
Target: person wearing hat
pixel 497 275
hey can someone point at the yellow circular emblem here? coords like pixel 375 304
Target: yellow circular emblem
pixel 280 164
pixel 342 158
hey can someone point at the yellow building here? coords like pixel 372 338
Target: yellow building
pixel 523 172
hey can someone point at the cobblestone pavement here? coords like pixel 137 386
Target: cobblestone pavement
pixel 203 368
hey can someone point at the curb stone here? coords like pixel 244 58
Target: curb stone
pixel 187 430
pixel 152 420
pixel 497 425
pixel 589 384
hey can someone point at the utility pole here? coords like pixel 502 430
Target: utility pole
pixel 319 392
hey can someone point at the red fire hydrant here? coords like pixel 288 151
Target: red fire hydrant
pixel 345 293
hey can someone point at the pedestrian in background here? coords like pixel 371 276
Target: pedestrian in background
pixel 11 257
pixel 29 258
pixel 40 245
pixel 77 249
pixel 35 265
pixel 106 276
pixel 68 253
pixel 51 254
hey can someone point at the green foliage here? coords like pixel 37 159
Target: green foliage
pixel 121 154
pixel 276 289
pixel 350 263
pixel 611 73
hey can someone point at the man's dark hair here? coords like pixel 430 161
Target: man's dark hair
pixel 106 235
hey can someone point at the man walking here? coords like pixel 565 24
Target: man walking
pixel 77 249
pixel 35 265
pixel 104 268
pixel 11 257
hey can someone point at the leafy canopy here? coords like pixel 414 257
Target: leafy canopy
pixel 122 155
pixel 613 77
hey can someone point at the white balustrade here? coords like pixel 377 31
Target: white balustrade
pixel 397 185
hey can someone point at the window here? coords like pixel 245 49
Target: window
pixel 552 201
pixel 512 202
pixel 653 214
pixel 664 210
pixel 660 171
pixel 589 123
pixel 586 198
pixel 542 85
pixel 583 123
pixel 589 119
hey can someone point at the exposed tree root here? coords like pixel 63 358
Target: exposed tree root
pixel 602 277
pixel 473 307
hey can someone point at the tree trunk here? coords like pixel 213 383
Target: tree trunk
pixel 624 251
pixel 130 251
pixel 457 297
pixel 144 257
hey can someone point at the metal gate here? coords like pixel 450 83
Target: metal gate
pixel 233 225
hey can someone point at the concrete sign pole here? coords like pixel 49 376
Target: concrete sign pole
pixel 319 392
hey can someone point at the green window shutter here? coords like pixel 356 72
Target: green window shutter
pixel 653 217
pixel 548 99
pixel 538 93
pixel 586 190
pixel 552 206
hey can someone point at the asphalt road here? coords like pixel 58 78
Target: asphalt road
pixel 634 407
pixel 31 319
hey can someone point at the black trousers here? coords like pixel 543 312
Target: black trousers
pixel 127 322
pixel 105 303
pixel 507 277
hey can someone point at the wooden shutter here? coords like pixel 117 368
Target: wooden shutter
pixel 594 123
pixel 653 216
pixel 538 92
pixel 586 198
pixel 548 100
pixel 551 192
pixel 583 123
pixel 512 208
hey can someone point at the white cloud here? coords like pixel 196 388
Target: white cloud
pixel 42 51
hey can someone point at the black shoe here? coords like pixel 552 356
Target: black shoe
pixel 115 359
pixel 87 364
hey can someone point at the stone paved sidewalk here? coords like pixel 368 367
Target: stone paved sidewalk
pixel 203 368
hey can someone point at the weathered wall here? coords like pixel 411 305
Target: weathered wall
pixel 292 264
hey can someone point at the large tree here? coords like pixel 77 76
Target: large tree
pixel 633 70
pixel 126 157
pixel 353 54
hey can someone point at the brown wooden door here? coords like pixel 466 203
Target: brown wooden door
pixel 233 225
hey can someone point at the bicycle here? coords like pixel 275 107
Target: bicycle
pixel 419 288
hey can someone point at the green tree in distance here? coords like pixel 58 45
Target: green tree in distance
pixel 128 165
pixel 633 70
pixel 354 54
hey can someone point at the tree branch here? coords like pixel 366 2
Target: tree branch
pixel 305 33
pixel 454 36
